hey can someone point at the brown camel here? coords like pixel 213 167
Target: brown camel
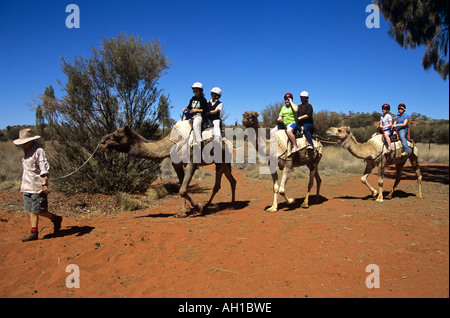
pixel 127 141
pixel 375 155
pixel 287 162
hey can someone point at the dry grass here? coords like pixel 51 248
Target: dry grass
pixel 433 153
pixel 10 165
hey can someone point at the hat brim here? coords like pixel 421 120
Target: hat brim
pixel 19 142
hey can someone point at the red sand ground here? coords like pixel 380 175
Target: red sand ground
pixel 322 251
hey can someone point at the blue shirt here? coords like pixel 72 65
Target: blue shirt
pixel 401 120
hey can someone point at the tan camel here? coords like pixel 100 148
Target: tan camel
pixel 126 140
pixel 375 155
pixel 286 162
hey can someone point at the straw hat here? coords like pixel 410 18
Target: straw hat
pixel 25 135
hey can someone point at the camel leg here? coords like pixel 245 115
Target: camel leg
pixel 180 173
pixel 369 167
pixel 398 173
pixel 312 175
pixel 232 181
pixel 282 189
pixel 414 159
pixel 219 172
pixel 189 173
pixel 318 182
pixel 274 207
pixel 381 167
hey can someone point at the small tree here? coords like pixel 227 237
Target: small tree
pixel 420 23
pixel 39 121
pixel 270 114
pixel 115 86
pixel 164 112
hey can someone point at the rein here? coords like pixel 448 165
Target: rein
pixel 68 175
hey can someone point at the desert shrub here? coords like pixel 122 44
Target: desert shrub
pixel 363 134
pixel 115 86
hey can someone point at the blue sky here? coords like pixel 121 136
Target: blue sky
pixel 256 51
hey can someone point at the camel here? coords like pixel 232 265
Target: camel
pixel 286 162
pixel 375 155
pixel 128 141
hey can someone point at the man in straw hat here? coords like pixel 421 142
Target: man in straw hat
pixel 35 183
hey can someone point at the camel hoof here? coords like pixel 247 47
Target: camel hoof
pixel 290 200
pixel 419 195
pixel 199 208
pixel 374 193
pixel 379 199
pixel 272 209
pixel 180 215
pixel 305 205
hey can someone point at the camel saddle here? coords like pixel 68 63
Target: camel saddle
pixel 396 146
pixel 285 146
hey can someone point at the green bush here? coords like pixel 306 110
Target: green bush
pixel 114 87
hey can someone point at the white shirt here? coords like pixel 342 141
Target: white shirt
pixel 35 165
pixel 385 121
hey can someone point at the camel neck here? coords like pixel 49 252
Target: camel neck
pixel 153 150
pixel 356 149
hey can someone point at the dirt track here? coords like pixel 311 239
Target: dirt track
pixel 322 251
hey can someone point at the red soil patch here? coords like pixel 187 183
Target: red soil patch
pixel 322 251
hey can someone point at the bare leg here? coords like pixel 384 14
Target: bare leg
pixel 290 133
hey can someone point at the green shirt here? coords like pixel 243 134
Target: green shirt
pixel 288 114
pixel 196 104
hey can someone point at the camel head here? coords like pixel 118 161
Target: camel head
pixel 120 140
pixel 339 133
pixel 250 119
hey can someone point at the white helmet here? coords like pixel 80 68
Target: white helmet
pixel 216 90
pixel 304 94
pixel 197 85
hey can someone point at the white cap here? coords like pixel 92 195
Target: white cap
pixel 304 94
pixel 216 90
pixel 197 85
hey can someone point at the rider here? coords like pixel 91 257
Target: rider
pixel 215 106
pixel 287 115
pixel 401 123
pixel 197 108
pixel 386 125
pixel 305 118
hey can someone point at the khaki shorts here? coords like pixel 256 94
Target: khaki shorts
pixel 35 202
